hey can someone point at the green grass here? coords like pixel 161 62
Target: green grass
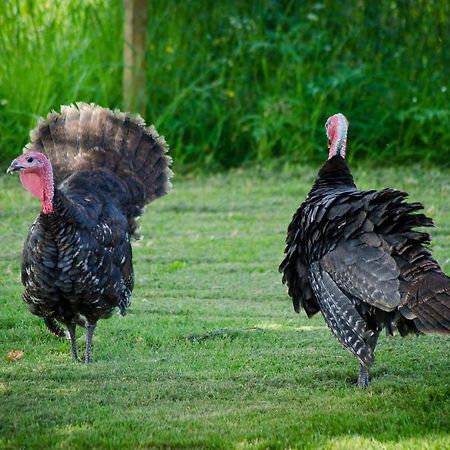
pixel 209 261
pixel 234 80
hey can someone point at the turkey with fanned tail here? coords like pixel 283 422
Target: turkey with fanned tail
pixel 357 257
pixel 94 170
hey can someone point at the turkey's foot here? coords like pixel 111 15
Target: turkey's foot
pixel 363 377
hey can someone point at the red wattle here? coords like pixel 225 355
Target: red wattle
pixel 32 183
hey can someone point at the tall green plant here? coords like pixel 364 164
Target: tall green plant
pixel 233 81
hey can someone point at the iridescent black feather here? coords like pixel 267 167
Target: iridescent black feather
pixel 77 261
pixel 357 257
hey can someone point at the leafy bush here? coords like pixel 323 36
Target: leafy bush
pixel 234 81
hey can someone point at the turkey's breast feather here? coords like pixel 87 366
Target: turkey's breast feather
pixel 77 260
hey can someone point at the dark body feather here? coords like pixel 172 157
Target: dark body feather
pixel 77 260
pixel 356 257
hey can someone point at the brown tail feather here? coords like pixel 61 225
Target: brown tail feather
pixel 428 303
pixel 87 136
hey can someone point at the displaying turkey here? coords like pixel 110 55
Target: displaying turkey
pixel 94 170
pixel 356 257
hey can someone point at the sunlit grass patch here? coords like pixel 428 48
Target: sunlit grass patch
pixel 260 377
pixel 240 81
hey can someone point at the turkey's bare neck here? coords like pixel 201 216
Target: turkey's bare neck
pixel 48 190
pixel 338 144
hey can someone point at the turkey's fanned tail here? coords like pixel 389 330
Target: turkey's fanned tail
pixel 424 288
pixel 55 329
pixel 88 137
pixel 428 304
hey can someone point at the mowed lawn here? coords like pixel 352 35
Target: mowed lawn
pixel 208 261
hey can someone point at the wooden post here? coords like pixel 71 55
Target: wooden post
pixel 135 41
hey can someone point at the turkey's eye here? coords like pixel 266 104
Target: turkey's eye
pixel 30 159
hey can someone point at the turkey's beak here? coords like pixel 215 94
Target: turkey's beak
pixel 14 167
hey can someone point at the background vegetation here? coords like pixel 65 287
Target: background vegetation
pixel 234 80
pixel 275 380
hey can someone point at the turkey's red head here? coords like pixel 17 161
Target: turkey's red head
pixel 337 127
pixel 36 175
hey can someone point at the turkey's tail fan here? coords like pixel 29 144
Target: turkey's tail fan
pixel 425 289
pixel 55 329
pixel 88 137
pixel 428 303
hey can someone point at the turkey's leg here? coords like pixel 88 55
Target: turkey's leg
pixel 73 340
pixel 363 377
pixel 89 333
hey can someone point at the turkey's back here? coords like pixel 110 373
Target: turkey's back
pixel 366 243
pixel 89 138
pixel 77 264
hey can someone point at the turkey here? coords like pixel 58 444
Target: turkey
pixel 357 257
pixel 94 170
